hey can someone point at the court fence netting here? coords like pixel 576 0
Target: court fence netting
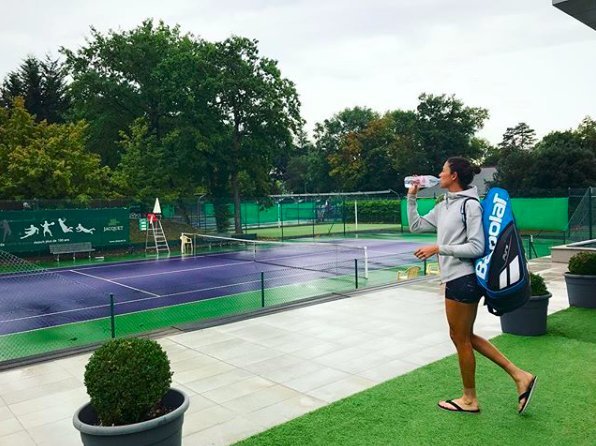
pixel 48 311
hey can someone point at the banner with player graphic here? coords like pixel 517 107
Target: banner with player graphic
pixel 33 230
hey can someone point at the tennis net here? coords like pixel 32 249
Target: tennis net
pixel 325 257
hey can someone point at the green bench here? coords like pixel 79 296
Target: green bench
pixel 71 248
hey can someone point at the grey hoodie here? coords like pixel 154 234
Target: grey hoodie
pixel 458 246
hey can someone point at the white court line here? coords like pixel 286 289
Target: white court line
pixel 136 262
pixel 115 283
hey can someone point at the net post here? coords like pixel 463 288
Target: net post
pixel 262 289
pixel 356 272
pixel 366 262
pixel 112 320
pixel 424 268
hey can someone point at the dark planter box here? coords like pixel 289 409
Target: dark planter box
pixel 529 320
pixel 581 290
pixel 162 431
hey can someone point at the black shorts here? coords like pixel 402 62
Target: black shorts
pixel 464 289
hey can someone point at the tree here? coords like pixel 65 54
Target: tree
pixel 445 127
pixel 152 72
pixel 41 160
pixel 559 161
pixel 298 169
pixel 512 172
pixel 520 137
pixel 562 160
pixel 260 110
pixel 490 154
pixel 42 85
pixel 329 135
pixel 363 160
pixel 365 151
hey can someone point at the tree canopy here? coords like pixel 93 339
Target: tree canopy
pixel 41 160
pixel 153 111
pixel 42 85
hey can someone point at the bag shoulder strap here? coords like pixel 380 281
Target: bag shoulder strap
pixel 463 211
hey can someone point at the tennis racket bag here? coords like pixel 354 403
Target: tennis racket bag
pixel 503 270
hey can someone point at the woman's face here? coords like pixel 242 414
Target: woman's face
pixel 447 177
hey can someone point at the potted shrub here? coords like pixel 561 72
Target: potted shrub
pixel 128 381
pixel 581 280
pixel 530 319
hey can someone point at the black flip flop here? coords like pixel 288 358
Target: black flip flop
pixel 527 395
pixel 458 408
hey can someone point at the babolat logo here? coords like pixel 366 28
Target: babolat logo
pixel 494 229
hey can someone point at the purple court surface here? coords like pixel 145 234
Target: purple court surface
pixel 59 296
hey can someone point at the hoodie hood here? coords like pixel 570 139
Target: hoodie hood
pixel 470 192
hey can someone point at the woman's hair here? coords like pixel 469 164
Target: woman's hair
pixel 464 168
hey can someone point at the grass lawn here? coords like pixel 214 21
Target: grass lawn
pixel 403 411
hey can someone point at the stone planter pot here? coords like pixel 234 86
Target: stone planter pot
pixel 162 431
pixel 529 320
pixel 581 290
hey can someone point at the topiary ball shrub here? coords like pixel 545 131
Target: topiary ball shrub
pixel 127 379
pixel 538 286
pixel 583 263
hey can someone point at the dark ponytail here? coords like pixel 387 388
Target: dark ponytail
pixel 464 168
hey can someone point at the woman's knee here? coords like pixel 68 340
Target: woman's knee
pixel 460 338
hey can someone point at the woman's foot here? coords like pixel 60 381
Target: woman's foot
pixel 460 405
pixel 523 383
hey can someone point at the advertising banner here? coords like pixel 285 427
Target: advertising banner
pixel 34 230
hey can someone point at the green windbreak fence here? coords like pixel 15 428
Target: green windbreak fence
pixel 255 214
pixel 424 206
pixel 541 214
pixel 531 214
pixel 34 230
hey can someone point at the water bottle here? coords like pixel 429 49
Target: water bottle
pixel 424 181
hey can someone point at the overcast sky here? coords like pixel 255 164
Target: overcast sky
pixel 523 60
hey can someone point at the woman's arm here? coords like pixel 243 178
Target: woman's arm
pixel 428 223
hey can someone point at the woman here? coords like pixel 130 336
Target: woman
pixel 458 244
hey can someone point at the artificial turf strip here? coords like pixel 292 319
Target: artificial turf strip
pixel 403 411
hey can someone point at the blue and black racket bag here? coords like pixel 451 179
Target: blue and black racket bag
pixel 503 270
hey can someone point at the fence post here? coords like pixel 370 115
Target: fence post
pixel 314 216
pixel 112 320
pixel 281 217
pixel 590 212
pixel 262 289
pixel 343 217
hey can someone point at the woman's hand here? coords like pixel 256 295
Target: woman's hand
pixel 413 189
pixel 426 251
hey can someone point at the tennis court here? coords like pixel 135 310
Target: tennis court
pixel 218 268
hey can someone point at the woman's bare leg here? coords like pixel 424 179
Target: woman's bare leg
pixel 460 317
pixel 521 377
